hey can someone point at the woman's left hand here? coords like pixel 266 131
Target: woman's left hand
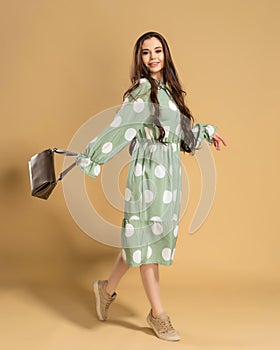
pixel 216 139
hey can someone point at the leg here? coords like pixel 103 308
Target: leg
pixel 119 269
pixel 157 318
pixel 150 279
pixel 104 290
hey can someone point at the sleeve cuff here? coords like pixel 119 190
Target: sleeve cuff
pixel 203 132
pixel 210 132
pixel 88 166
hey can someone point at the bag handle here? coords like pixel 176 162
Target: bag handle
pixel 67 154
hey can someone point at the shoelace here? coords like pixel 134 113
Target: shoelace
pixel 166 325
pixel 108 303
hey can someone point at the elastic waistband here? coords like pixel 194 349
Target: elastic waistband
pixel 168 144
pixel 153 141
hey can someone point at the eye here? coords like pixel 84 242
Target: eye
pixel 145 53
pixel 158 51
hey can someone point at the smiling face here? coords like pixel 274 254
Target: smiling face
pixel 153 57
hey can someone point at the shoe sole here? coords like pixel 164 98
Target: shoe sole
pixel 97 299
pixel 157 333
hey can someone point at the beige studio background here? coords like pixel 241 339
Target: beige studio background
pixel 61 63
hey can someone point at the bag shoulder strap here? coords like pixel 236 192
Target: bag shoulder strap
pixel 67 154
pixel 66 171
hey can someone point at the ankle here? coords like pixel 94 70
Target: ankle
pixel 157 312
pixel 109 290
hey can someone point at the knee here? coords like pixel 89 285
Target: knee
pixel 148 266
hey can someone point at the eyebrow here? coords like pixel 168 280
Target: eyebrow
pixel 158 47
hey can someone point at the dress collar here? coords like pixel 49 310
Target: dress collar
pixel 160 83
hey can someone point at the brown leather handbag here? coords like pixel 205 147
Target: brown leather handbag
pixel 42 172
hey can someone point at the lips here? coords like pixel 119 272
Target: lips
pixel 154 64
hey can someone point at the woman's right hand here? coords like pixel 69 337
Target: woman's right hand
pixel 216 139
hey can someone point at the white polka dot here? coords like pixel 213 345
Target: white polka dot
pixel 155 218
pixel 210 129
pixel 93 140
pixel 172 256
pixel 157 228
pixel 138 105
pixel 149 252
pixel 153 148
pixel 148 195
pixel 160 171
pixel 117 121
pixel 174 147
pixel 167 197
pixel 142 80
pixel 175 217
pixel 164 148
pixel 137 256
pixel 198 142
pixel 129 134
pixel 138 170
pixel 195 129
pixel 96 170
pixel 175 232
pixel 166 254
pixel 129 230
pixel 84 162
pixel 178 128
pixel 125 102
pixel 167 129
pixel 107 147
pixel 174 195
pixel 123 254
pixel 172 105
pixel 127 195
pixel 171 170
pixel 134 217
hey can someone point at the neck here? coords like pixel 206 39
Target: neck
pixel 157 76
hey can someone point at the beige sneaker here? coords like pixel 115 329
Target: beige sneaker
pixel 162 327
pixel 103 299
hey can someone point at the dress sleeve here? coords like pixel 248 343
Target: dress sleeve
pixel 203 131
pixel 134 111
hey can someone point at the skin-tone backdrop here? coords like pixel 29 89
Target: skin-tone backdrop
pixel 64 61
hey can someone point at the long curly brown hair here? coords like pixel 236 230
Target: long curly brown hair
pixel 171 80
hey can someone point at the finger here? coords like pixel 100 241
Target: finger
pixel 221 138
pixel 223 141
pixel 216 144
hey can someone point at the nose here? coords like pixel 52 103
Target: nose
pixel 152 54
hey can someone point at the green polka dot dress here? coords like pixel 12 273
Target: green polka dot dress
pixel 153 186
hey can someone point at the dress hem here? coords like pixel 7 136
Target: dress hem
pixel 167 263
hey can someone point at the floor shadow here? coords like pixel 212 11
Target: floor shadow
pixel 76 303
pixel 39 254
pixel 130 325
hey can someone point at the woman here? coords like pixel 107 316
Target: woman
pixel 157 124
